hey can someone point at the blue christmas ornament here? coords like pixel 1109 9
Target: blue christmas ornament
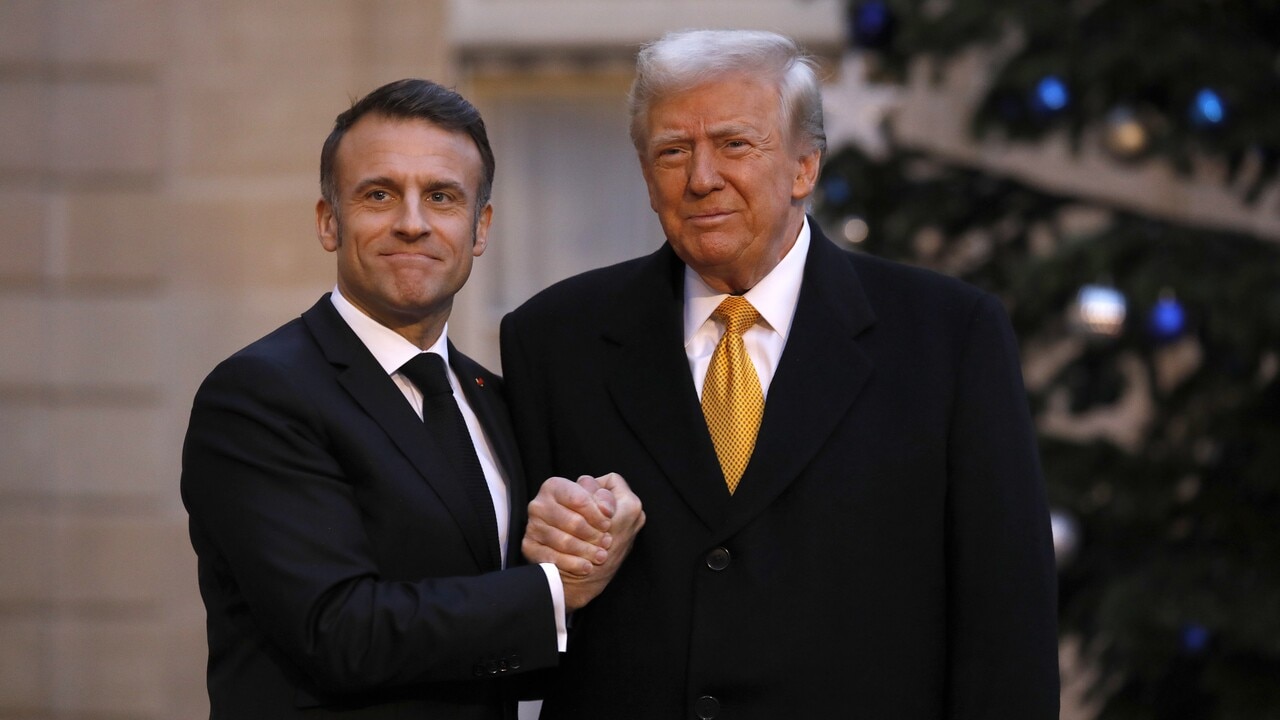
pixel 872 24
pixel 1050 96
pixel 1207 108
pixel 1195 638
pixel 1168 318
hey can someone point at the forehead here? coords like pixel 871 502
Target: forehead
pixel 378 145
pixel 735 99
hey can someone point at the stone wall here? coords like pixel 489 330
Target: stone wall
pixel 157 182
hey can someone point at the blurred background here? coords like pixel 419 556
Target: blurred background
pixel 1108 168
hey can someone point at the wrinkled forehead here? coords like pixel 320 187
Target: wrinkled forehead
pixel 376 142
pixel 721 103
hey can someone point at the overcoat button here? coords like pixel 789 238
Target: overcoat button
pixel 706 707
pixel 718 559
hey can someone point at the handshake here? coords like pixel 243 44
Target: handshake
pixel 586 529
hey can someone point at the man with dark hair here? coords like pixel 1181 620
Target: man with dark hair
pixel 845 512
pixel 352 480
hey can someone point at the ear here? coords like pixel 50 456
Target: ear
pixel 482 231
pixel 327 226
pixel 806 175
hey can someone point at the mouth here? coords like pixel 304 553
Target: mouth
pixel 709 217
pixel 410 257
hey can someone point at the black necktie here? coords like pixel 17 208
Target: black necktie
pixel 444 422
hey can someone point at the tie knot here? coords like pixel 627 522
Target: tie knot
pixel 427 371
pixel 738 314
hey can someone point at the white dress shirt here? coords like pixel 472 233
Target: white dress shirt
pixel 392 351
pixel 775 297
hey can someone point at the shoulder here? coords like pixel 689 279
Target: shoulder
pixel 903 301
pixel 882 281
pixel 586 302
pixel 892 279
pixel 590 288
pixel 285 344
pixel 918 295
pixel 271 362
pixel 936 317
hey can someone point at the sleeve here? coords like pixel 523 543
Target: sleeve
pixel 1002 582
pixel 561 611
pixel 279 532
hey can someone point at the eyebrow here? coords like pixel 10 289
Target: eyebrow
pixel 733 128
pixel 722 130
pixel 367 183
pixel 666 138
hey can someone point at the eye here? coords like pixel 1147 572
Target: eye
pixel 379 195
pixel 669 156
pixel 439 197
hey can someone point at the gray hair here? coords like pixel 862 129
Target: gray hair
pixel 684 59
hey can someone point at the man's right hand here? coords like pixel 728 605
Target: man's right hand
pixel 586 528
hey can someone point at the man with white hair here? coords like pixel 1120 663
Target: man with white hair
pixel 845 513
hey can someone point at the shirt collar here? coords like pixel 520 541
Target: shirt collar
pixel 775 296
pixel 388 347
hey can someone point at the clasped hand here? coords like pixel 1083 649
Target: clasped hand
pixel 586 528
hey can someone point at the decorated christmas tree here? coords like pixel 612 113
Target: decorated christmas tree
pixel 1151 340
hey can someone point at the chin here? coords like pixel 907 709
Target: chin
pixel 716 248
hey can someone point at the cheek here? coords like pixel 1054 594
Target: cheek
pixel 667 187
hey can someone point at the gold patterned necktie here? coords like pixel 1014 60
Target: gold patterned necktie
pixel 732 401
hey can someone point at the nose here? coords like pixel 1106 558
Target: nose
pixel 412 221
pixel 704 172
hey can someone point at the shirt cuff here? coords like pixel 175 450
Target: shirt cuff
pixel 557 600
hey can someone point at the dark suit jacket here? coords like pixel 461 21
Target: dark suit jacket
pixel 887 554
pixel 344 572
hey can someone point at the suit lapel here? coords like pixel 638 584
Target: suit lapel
pixel 482 390
pixel 647 375
pixel 821 371
pixel 374 391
